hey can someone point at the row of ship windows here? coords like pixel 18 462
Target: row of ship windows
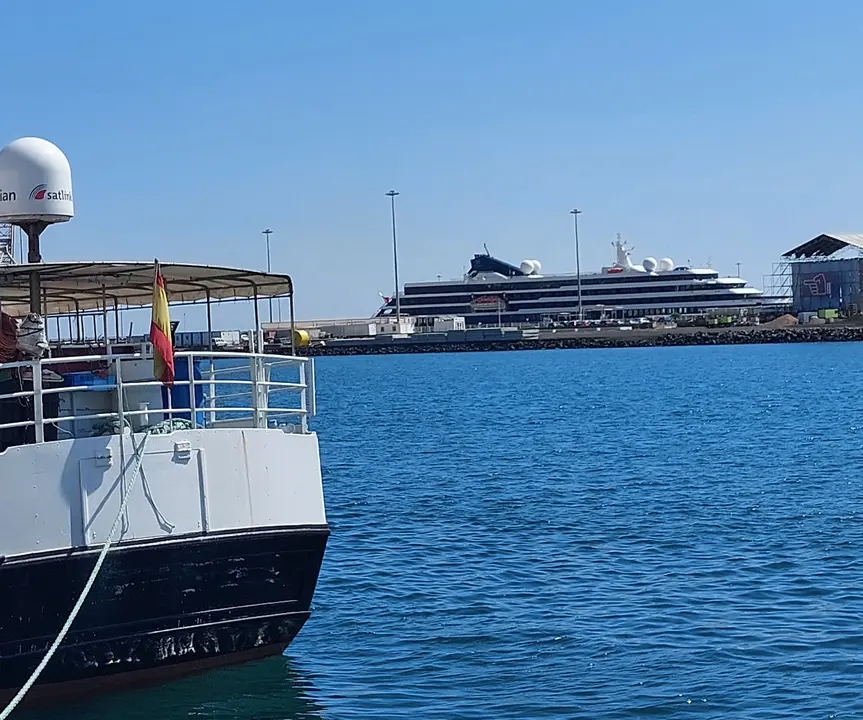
pixel 539 307
pixel 466 297
pixel 553 302
pixel 522 316
pixel 538 284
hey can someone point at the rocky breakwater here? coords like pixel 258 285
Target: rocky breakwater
pixel 607 339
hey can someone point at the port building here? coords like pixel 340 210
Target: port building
pixel 823 274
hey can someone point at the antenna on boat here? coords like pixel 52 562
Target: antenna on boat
pixel 35 192
pixel 619 238
pixel 7 244
pixel 485 247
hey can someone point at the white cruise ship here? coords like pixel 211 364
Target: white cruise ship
pixel 494 291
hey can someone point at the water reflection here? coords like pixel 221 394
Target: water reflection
pixel 271 689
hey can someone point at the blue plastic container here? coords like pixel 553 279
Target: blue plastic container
pixel 77 379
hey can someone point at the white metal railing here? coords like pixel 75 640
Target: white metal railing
pixel 211 390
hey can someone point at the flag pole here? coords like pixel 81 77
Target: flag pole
pixel 160 330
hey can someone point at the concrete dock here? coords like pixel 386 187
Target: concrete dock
pixel 602 338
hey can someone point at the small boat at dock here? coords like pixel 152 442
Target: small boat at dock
pixel 161 512
pixel 223 535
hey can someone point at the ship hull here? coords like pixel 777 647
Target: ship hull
pixel 158 610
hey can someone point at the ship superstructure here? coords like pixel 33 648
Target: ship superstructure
pixel 495 291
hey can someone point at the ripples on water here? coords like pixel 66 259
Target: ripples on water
pixel 575 534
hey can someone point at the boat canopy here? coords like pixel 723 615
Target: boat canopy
pixel 72 287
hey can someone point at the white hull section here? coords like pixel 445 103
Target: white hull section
pixel 66 494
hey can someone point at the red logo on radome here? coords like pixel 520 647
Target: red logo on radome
pixel 41 192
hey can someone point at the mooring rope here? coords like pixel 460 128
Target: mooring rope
pixel 139 457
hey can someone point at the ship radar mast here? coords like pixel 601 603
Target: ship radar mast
pixel 7 249
pixel 623 253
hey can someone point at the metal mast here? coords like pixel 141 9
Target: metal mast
pixel 7 250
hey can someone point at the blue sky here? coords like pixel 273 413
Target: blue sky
pixel 725 131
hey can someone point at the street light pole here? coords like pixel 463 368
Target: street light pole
pixel 392 196
pixel 269 232
pixel 575 213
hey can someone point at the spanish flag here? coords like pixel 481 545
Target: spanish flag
pixel 160 332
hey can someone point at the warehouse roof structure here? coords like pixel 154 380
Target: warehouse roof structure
pixel 825 245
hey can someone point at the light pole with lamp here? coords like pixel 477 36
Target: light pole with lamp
pixel 269 232
pixel 575 213
pixel 392 196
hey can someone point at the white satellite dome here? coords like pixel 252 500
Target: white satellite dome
pixel 665 265
pixel 649 264
pixel 526 267
pixel 537 266
pixel 35 182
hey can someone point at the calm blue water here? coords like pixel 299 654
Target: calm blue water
pixel 575 534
